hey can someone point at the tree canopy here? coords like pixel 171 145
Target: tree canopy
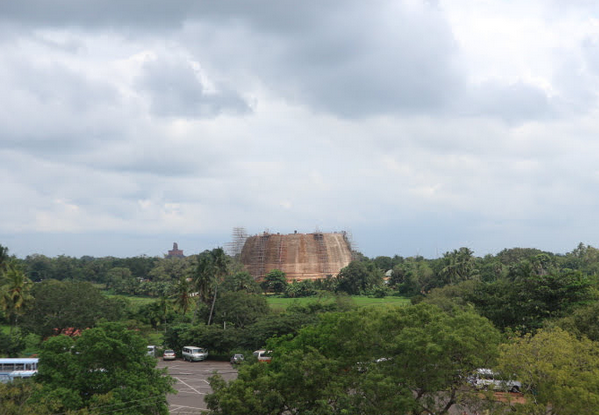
pixel 107 367
pixel 409 360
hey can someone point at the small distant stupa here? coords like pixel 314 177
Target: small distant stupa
pixel 175 252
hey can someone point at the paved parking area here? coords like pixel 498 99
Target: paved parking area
pixel 192 383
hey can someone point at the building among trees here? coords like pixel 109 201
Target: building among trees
pixel 301 256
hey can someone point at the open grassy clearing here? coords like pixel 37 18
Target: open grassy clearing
pixel 276 302
pixel 359 300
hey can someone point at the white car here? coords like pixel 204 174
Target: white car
pixel 194 353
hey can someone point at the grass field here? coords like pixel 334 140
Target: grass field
pixel 135 301
pixel 360 301
pixel 281 303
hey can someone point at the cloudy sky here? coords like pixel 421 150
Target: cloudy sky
pixel 418 126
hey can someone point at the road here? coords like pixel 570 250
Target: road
pixel 192 383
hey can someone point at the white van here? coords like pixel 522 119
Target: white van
pixel 488 379
pixel 152 351
pixel 194 354
pixel 263 356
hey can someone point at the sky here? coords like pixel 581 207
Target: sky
pixel 417 126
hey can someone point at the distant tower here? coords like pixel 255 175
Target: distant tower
pixel 175 252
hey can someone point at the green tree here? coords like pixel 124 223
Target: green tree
pixel 209 273
pixel 121 280
pixel 274 281
pixel 15 290
pixel 559 372
pixel 107 367
pixel 581 322
pixel 239 308
pixel 171 269
pixel 358 277
pixel 4 258
pixel 458 265
pixel 63 305
pixel 408 360
pixel 182 294
pixel 241 281
pixel 16 398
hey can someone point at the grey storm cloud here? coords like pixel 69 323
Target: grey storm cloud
pixel 53 109
pixel 344 57
pixel 418 123
pixel 176 89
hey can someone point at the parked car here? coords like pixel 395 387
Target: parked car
pixel 152 351
pixel 263 356
pixel 194 353
pixel 237 358
pixel 488 379
pixel 169 355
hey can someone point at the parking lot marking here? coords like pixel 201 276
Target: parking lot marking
pixel 190 387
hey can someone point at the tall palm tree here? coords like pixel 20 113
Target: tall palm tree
pixel 459 265
pixel 182 294
pixel 3 258
pixel 210 271
pixel 16 293
pixel 220 271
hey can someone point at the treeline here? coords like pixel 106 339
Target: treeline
pixel 467 312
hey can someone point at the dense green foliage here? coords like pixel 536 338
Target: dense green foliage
pixel 105 367
pixel 559 372
pixel 331 356
pixel 66 306
pixel 384 361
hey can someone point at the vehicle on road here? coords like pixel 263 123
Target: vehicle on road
pixel 194 353
pixel 169 355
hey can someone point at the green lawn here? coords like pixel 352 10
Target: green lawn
pixel 135 301
pixel 276 302
pixel 359 300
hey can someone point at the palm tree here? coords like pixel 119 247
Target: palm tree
pixel 459 265
pixel 3 258
pixel 210 271
pixel 16 293
pixel 182 295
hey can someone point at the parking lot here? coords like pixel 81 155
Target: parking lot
pixel 192 383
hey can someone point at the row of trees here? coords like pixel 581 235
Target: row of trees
pixel 412 360
pixel 378 360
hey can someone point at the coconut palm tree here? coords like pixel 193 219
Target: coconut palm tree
pixel 210 272
pixel 182 294
pixel 15 289
pixel 4 258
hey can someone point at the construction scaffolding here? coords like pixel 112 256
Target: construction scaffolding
pixel 235 247
pixel 300 256
pixel 323 255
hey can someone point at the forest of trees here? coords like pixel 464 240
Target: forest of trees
pixel 528 313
